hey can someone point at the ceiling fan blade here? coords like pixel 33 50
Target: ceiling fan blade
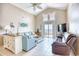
pixel 34 8
pixel 28 5
pixel 39 7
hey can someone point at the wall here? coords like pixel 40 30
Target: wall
pixel 60 17
pixel 13 14
pixel 73 18
pixel 0 13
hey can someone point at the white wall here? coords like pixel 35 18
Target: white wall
pixel 13 14
pixel 59 18
pixel 0 13
pixel 73 18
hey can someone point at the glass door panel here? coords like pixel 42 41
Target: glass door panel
pixel 48 30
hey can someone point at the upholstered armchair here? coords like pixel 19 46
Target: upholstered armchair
pixel 64 48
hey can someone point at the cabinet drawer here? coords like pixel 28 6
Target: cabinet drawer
pixel 13 43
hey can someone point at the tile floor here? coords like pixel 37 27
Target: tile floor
pixel 42 49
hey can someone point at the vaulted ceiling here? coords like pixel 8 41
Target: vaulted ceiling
pixel 29 8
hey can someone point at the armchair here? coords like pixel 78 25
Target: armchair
pixel 64 48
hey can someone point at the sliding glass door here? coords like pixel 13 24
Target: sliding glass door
pixel 48 30
pixel 48 22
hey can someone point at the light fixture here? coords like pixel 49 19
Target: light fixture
pixel 35 6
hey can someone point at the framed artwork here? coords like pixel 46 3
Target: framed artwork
pixel 23 22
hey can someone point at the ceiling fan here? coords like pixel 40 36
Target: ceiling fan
pixel 35 6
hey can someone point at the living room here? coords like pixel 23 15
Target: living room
pixel 30 29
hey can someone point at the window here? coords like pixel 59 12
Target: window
pixel 46 28
pixel 48 24
pixel 45 17
pixel 50 28
pixel 49 17
pixel 52 16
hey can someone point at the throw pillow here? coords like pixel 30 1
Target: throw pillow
pixel 65 37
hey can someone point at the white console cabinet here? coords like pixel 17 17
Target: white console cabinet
pixel 13 43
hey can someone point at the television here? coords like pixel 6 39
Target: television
pixel 62 28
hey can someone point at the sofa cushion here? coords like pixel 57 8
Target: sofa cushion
pixel 65 36
pixel 29 35
pixel 71 41
pixel 69 37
